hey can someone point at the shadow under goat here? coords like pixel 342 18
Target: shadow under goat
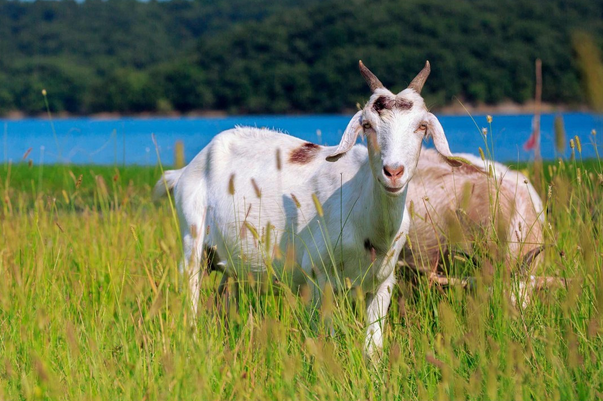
pixel 481 211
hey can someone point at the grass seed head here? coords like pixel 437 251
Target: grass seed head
pixel 317 205
pixel 231 187
pixel 27 152
pixel 296 201
pixel 279 164
pixel 256 188
pixel 179 160
pixel 559 134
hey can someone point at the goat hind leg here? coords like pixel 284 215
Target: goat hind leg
pixel 192 262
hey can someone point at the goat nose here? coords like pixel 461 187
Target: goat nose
pixel 393 172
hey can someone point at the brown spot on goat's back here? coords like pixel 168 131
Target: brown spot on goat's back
pixel 304 154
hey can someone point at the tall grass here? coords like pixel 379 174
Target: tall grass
pixel 92 306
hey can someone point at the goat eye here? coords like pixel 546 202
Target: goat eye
pixel 423 127
pixel 366 126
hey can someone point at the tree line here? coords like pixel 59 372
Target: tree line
pixel 290 56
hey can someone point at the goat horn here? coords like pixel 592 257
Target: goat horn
pixel 370 78
pixel 419 81
pixel 528 258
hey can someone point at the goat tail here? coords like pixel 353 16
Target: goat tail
pixel 166 183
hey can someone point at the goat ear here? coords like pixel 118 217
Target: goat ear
pixel 441 144
pixel 349 137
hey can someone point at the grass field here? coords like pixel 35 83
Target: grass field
pixel 92 306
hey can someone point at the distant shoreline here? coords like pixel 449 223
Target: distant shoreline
pixel 453 109
pixel 508 108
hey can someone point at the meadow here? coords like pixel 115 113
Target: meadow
pixel 93 306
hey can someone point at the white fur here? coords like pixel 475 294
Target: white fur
pixel 364 225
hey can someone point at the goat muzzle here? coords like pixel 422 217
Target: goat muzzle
pixel 393 173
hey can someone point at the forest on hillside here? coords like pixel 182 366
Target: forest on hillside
pixel 289 56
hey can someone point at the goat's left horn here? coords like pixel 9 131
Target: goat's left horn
pixel 370 78
pixel 419 81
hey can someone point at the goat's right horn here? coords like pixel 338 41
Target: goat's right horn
pixel 370 78
pixel 528 259
pixel 419 81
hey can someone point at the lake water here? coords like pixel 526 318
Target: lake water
pixel 129 140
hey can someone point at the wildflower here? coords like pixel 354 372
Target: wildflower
pixel 489 118
pixel 484 131
pixel 572 143
pixel 481 154
pixel 43 92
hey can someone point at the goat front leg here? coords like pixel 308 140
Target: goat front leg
pixel 377 304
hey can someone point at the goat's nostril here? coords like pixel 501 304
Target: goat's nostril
pixel 393 172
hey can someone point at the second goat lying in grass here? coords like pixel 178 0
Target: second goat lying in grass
pixel 483 209
pixel 338 212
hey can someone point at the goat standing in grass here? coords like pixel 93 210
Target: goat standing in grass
pixel 254 194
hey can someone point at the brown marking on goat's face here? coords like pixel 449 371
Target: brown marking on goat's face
pixel 388 103
pixel 304 154
pixel 403 104
pixel 383 102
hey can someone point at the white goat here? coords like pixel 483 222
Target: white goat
pixel 457 210
pixel 338 211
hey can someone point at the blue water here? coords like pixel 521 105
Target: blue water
pixel 130 140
